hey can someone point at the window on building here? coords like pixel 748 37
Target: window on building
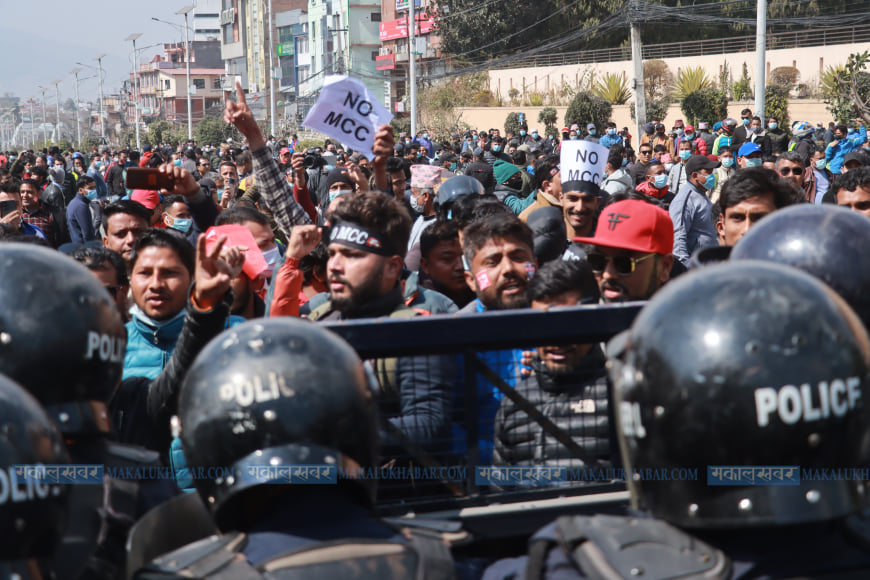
pixel 375 54
pixel 204 15
pixel 166 85
pixel 376 16
pixel 228 34
pixel 216 84
pixel 285 34
pixel 286 71
pixel 199 83
pixel 302 44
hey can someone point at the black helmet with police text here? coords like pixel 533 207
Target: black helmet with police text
pixel 735 388
pixel 61 336
pixel 33 509
pixel 270 394
pixel 454 188
pixel 827 241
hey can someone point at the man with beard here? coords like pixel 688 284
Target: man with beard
pixel 367 244
pixel 631 252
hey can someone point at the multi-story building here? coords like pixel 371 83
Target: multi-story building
pixel 343 39
pixel 395 52
pixel 293 55
pixel 206 20
pixel 163 84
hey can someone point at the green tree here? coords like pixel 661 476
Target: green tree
pixel 69 105
pixel 158 132
pixel 401 125
pixel 512 124
pixel 210 130
pixel 613 88
pixel 548 116
pixel 655 109
pixel 848 89
pixel 588 108
pixel 657 80
pixel 705 105
pixel 776 104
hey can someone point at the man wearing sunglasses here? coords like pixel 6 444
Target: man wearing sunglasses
pixel 631 254
pixel 644 158
pixel 790 167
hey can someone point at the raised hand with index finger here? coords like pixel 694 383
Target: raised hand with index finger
pixel 240 116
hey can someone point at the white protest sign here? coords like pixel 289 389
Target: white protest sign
pixel 347 112
pixel 583 161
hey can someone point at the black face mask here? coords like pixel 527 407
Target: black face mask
pixel 515 182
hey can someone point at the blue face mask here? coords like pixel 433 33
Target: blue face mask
pixel 425 135
pixel 574 137
pixel 534 135
pixel 522 133
pixel 727 162
pixel 660 181
pixel 772 126
pixel 678 131
pixel 624 161
pixel 452 167
pixel 182 225
pixel 746 121
pixel 496 148
pixel 178 162
pixel 92 194
pixel 850 130
pixel 820 164
pixel 689 136
pixel 592 131
pixel 710 183
pixel 685 154
pixel 753 163
pixel 611 132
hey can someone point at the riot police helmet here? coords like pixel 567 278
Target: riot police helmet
pixel 826 241
pixel 453 188
pixel 735 383
pixel 33 507
pixel 61 336
pixel 270 394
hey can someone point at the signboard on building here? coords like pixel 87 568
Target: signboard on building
pixel 385 62
pixel 285 49
pixel 388 95
pixel 228 16
pixel 403 5
pixel 393 29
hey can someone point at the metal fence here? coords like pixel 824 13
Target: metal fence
pixel 438 452
pixel 779 40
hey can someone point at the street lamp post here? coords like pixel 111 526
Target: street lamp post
pixel 75 73
pixel 133 37
pixel 99 60
pixel 57 110
pixel 44 130
pixel 184 11
pixel 271 72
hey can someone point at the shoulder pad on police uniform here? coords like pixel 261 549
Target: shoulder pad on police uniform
pixel 362 559
pixel 623 547
pixel 126 454
pixel 213 557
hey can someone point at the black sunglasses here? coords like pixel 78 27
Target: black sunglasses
pixel 785 171
pixel 624 265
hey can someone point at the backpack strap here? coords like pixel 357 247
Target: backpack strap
pixel 612 547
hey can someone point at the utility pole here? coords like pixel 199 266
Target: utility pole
pixel 271 71
pixel 412 66
pixel 184 11
pixel 637 61
pixel 44 130
pixel 99 60
pixel 57 111
pixel 76 72
pixel 133 37
pixel 760 61
pixel 32 130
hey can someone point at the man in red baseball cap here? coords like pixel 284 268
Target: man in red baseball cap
pixel 631 252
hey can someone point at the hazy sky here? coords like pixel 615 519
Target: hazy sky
pixel 41 40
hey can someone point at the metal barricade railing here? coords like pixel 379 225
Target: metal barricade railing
pixel 442 380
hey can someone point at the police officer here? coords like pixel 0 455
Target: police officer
pixel 33 510
pixel 62 339
pixel 826 241
pixel 277 401
pixel 733 412
pixel 451 190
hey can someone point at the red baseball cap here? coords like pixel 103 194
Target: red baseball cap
pixel 285 150
pixel 634 225
pixel 146 197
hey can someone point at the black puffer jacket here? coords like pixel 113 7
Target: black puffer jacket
pixel 577 403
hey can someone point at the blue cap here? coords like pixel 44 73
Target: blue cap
pixel 717 125
pixel 748 149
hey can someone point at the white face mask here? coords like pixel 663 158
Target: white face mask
pixel 271 257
